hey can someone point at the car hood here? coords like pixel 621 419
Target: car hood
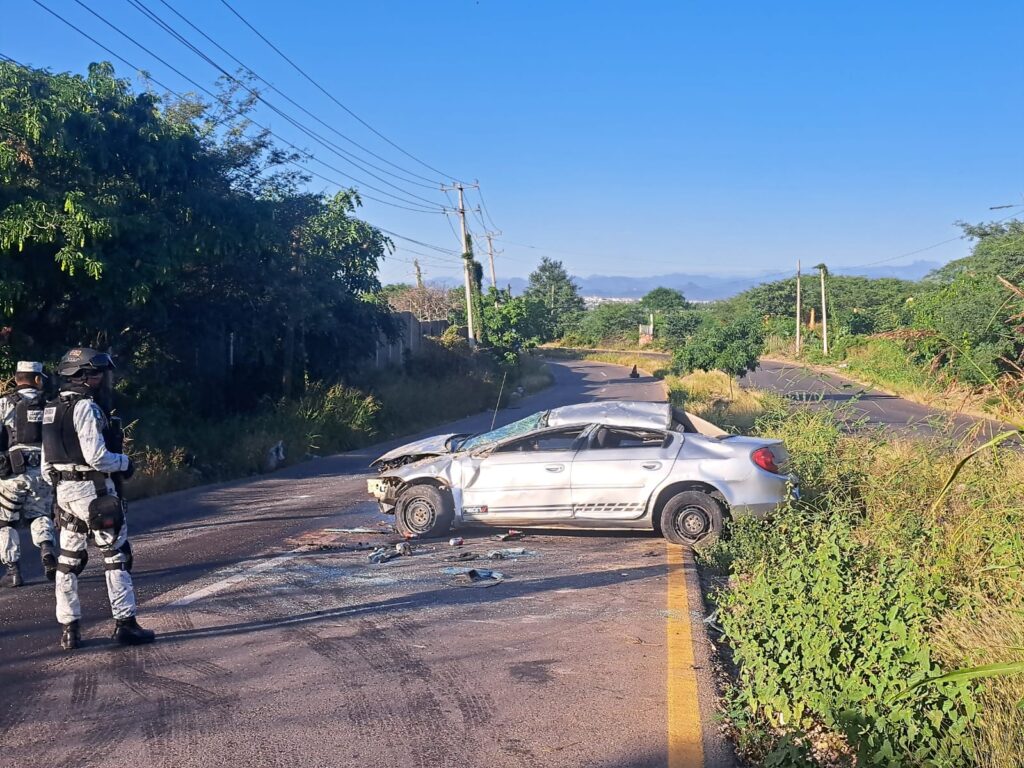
pixel 435 445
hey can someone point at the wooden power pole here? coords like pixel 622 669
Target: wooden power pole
pixel 798 316
pixel 467 266
pixel 490 254
pixel 822 269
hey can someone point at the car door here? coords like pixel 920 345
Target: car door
pixel 618 468
pixel 523 481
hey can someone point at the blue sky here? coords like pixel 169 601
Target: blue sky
pixel 633 138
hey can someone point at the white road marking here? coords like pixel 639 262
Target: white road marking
pixel 220 586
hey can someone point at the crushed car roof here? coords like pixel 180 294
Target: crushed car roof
pixel 621 413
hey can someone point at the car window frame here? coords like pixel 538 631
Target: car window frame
pixel 668 436
pixel 581 439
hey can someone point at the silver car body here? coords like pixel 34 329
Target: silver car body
pixel 606 464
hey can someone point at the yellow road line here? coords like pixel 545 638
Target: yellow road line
pixel 685 749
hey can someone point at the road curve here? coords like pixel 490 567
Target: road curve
pixel 282 647
pixel 859 403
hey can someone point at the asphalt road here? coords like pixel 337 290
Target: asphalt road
pixel 867 407
pixel 281 646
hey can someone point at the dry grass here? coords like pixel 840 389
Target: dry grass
pixel 709 395
pixel 986 634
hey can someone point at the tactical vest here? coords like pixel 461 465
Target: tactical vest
pixel 27 429
pixel 60 440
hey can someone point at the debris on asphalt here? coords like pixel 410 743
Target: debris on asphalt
pixel 651 553
pixel 512 535
pixel 374 531
pixel 462 557
pixel 383 554
pixel 479 577
pixel 505 554
pixel 403 548
pixel 456 541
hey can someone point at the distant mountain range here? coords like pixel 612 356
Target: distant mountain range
pixel 706 287
pixel 697 287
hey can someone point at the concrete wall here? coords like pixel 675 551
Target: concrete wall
pixel 409 341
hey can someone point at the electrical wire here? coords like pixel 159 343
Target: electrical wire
pixel 212 95
pixel 487 213
pixel 141 7
pixel 301 152
pixel 329 95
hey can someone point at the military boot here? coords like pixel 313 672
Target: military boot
pixel 128 632
pixel 12 578
pixel 49 560
pixel 71 637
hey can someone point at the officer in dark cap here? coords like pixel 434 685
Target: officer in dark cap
pixel 25 498
pixel 82 459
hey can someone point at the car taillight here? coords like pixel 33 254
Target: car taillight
pixel 765 459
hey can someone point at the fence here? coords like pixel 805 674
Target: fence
pixel 409 339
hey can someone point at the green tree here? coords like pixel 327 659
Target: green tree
pixel 611 323
pixel 551 286
pixel 510 323
pixel 733 347
pixel 663 301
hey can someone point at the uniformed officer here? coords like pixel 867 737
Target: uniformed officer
pixel 81 458
pixel 24 496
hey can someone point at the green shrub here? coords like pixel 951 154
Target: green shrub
pixel 826 630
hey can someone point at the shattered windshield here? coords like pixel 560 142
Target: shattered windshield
pixel 521 427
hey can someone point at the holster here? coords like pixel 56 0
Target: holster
pixel 106 513
pixel 19 462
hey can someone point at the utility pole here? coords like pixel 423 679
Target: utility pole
pixel 822 269
pixel 466 259
pixel 798 307
pixel 419 273
pixel 490 254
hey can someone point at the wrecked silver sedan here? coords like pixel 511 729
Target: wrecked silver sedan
pixel 603 465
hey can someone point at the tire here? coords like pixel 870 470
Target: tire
pixel 424 511
pixel 692 519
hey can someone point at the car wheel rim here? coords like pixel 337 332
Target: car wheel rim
pixel 420 515
pixel 693 523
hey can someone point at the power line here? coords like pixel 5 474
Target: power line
pixel 487 213
pixel 303 153
pixel 437 248
pixel 328 94
pixel 256 95
pixel 155 17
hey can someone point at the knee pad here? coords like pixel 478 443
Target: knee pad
pixel 118 558
pixel 80 557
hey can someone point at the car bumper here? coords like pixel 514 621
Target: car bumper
pixel 779 490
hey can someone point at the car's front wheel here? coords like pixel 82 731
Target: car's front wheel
pixel 424 511
pixel 693 519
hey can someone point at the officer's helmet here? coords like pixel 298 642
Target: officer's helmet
pixel 83 359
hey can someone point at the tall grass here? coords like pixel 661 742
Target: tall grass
pixel 843 601
pixel 437 386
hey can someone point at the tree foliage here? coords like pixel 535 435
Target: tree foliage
pixel 552 287
pixel 664 301
pixel 977 329
pixel 733 346
pixel 166 231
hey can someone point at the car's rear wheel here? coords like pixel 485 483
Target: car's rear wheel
pixel 693 519
pixel 424 511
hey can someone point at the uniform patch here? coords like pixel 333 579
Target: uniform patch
pixel 49 413
pixel 34 416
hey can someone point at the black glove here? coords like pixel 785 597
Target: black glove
pixel 5 466
pixel 127 473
